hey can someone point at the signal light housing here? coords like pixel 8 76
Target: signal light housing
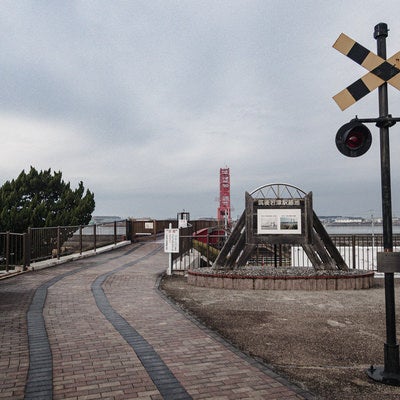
pixel 353 139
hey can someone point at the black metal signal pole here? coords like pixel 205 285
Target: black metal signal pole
pixel 390 373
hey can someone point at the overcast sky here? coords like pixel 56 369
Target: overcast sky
pixel 144 101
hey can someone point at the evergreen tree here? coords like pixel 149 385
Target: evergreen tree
pixel 43 199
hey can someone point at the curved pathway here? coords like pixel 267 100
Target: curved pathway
pixel 97 329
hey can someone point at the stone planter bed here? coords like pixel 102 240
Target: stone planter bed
pixel 281 278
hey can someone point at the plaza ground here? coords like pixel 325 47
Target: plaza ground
pixel 323 341
pixel 97 327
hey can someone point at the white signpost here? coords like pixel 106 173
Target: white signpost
pixel 171 244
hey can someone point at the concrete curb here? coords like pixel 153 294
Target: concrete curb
pixel 62 260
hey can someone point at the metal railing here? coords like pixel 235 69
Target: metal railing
pixel 149 229
pixel 13 250
pixel 358 251
pixel 18 250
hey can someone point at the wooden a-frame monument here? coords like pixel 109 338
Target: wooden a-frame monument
pixel 279 214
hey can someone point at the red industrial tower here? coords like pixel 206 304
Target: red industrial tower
pixel 224 209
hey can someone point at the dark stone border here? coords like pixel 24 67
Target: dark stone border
pixel 39 383
pixel 165 381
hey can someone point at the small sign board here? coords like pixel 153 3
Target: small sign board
pixel 149 225
pixel 183 219
pixel 182 223
pixel 388 262
pixel 171 240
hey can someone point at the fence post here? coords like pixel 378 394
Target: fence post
pixel 80 240
pixel 26 251
pixel 7 250
pixel 58 243
pixel 353 245
pixel 208 246
pixel 28 247
pixel 94 238
pixel 128 230
pixel 115 232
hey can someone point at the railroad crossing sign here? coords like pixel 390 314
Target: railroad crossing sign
pixel 380 71
pixel 353 139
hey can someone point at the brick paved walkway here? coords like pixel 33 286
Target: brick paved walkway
pixel 97 328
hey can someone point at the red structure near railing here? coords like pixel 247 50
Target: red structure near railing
pixel 224 209
pixel 212 236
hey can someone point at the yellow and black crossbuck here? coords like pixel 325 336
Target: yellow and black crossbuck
pixel 381 71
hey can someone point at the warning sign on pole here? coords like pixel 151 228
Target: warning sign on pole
pixel 171 240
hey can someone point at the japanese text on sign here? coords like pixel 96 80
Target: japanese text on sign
pixel 278 202
pixel 171 240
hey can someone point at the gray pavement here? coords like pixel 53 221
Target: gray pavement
pixel 98 328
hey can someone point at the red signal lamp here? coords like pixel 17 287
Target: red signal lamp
pixel 353 139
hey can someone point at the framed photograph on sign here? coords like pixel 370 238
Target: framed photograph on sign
pixel 279 221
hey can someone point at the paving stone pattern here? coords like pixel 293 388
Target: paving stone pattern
pixel 98 328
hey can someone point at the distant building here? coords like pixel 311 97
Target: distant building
pixel 100 219
pixel 346 220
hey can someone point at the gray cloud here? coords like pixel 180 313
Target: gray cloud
pixel 145 101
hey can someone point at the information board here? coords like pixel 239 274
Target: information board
pixel 171 240
pixel 279 220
